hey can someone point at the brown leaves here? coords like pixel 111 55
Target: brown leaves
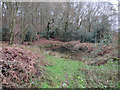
pixel 18 66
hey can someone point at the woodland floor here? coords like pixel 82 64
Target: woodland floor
pixel 55 64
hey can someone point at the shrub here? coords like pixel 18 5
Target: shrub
pixel 0 34
pixel 106 40
pixel 5 34
pixel 30 35
pixel 44 33
pixel 65 36
pixel 95 36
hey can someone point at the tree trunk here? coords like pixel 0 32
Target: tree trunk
pixel 48 28
pixel 12 32
pixel 24 34
pixel 12 28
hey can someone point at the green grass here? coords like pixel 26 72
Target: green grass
pixel 75 74
pixel 61 71
pixel 68 73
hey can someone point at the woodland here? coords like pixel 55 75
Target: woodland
pixel 59 45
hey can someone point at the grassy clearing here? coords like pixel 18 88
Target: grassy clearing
pixel 59 71
pixel 67 73
pixel 71 74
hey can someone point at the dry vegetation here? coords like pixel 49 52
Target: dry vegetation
pixel 59 45
pixel 19 65
pixel 23 66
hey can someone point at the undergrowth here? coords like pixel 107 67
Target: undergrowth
pixel 66 73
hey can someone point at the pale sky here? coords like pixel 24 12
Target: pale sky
pixel 114 2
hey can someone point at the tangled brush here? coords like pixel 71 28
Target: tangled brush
pixel 18 66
